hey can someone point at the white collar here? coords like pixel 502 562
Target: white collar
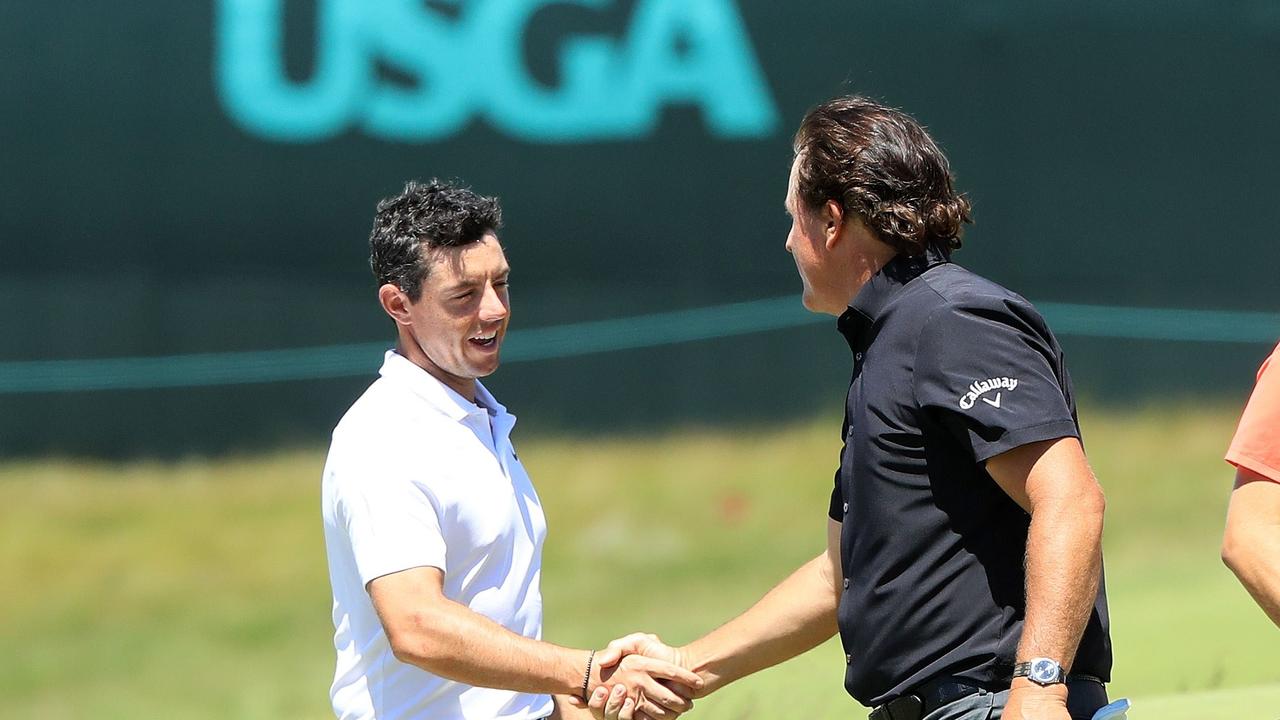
pixel 441 397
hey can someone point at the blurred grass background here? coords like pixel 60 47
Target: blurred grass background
pixel 198 589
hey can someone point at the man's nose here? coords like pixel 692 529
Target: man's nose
pixel 493 306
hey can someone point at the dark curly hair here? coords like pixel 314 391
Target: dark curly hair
pixel 423 218
pixel 879 162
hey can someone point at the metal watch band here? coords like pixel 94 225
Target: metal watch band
pixel 1041 671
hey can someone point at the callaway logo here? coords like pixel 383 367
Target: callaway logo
pixel 982 387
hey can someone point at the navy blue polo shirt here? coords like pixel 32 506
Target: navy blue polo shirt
pixel 949 370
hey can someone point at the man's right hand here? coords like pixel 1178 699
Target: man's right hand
pixel 618 704
pixel 649 645
pixel 640 678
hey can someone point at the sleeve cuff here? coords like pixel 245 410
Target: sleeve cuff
pixel 1054 430
pixel 391 567
pixel 1254 465
pixel 835 510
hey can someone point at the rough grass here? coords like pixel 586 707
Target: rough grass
pixel 198 589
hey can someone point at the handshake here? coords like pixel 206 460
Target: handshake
pixel 638 677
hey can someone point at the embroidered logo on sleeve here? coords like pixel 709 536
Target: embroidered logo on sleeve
pixel 980 388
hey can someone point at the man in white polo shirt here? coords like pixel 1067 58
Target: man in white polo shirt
pixel 433 530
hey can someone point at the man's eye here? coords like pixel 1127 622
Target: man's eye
pixel 463 296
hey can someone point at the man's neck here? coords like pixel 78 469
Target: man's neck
pixel 409 349
pixel 867 263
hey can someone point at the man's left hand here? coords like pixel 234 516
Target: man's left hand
pixel 1028 701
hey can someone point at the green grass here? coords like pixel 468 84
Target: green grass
pixel 199 590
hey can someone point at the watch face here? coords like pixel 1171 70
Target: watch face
pixel 1044 670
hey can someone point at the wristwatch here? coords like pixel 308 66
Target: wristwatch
pixel 1041 671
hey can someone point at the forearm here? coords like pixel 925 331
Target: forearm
pixel 1251 543
pixel 1064 568
pixel 1259 571
pixel 455 642
pixel 794 617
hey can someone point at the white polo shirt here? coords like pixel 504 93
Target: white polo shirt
pixel 419 476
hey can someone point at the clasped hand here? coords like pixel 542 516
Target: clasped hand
pixel 641 678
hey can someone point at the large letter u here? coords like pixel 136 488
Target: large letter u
pixel 251 78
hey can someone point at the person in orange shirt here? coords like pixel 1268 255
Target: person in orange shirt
pixel 1251 543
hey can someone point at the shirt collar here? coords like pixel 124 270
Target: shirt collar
pixel 441 397
pixel 872 298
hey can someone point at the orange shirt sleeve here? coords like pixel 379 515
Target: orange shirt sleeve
pixel 1256 445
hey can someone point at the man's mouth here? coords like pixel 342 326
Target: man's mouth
pixel 488 340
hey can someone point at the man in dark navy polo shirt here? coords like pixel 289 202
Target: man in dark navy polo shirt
pixel 964 564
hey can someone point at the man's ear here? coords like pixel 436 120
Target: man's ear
pixel 395 303
pixel 833 222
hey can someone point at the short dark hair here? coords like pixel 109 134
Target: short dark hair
pixel 424 218
pixel 878 162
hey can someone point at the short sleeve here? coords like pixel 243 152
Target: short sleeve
pixel 835 510
pixel 1256 445
pixel 992 376
pixel 393 524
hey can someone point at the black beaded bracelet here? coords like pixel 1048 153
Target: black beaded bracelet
pixel 586 679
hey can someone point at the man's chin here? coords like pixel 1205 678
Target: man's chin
pixel 821 306
pixel 811 303
pixel 486 367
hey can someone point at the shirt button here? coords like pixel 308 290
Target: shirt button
pixel 846 583
pixel 848 659
pixel 846 508
pixel 857 356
